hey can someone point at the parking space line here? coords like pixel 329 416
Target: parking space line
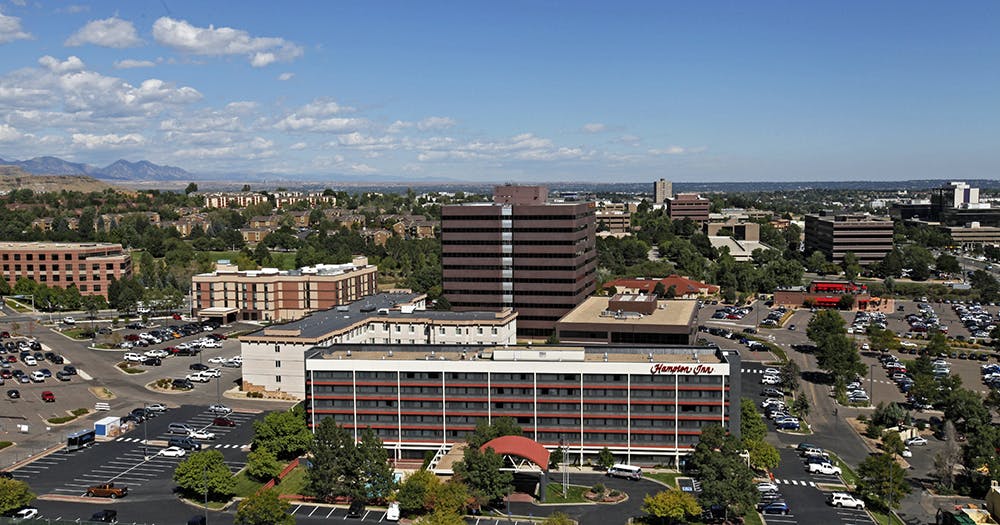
pixel 296 509
pixel 331 512
pixel 363 518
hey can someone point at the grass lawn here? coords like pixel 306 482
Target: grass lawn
pixel 753 518
pixel 574 493
pixel 886 519
pixel 5 444
pixel 847 472
pixel 79 333
pixel 294 483
pixel 16 306
pixel 670 478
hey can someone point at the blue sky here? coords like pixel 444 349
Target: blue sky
pixel 509 91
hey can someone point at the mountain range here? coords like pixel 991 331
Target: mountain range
pixel 120 170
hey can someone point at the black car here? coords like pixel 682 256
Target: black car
pixel 183 383
pixel 57 359
pixel 198 366
pixel 142 414
pixel 356 510
pixel 104 330
pixel 6 475
pixel 152 361
pixel 63 376
pixel 185 443
pixel 46 372
pixel 13 393
pixel 196 520
pixel 70 369
pixel 105 516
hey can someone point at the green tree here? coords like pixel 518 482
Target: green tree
pixel 442 517
pixel 835 353
pixel 262 464
pixel 264 508
pixel 284 432
pixel 892 443
pixel 335 461
pixel 375 473
pixel 415 495
pixel 947 263
pixel 882 340
pixel 966 409
pixel 671 506
pixel 788 375
pixel 191 188
pixel 882 482
pixel 763 455
pixel 816 262
pixel 605 458
pixel 938 344
pixel 726 480
pixel 801 405
pixel 451 497
pixel 480 470
pixel 752 426
pixel 14 494
pixel 948 458
pixel 557 457
pixel 486 432
pixel 205 470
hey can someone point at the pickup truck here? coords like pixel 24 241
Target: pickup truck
pixel 107 490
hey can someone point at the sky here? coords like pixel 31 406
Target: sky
pixel 532 91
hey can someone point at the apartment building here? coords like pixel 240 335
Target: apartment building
pixel 519 252
pixel 270 294
pixel 234 199
pixel 89 266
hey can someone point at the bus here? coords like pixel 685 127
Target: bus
pixel 80 439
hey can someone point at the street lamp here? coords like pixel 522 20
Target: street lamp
pixel 145 432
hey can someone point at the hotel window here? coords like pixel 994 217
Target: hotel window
pixel 41 257
pixel 97 287
pixel 277 364
pixel 83 288
pixel 277 348
pixel 55 256
pixel 277 379
pixel 442 328
pixel 29 257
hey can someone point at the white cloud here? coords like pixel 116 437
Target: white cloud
pixel 675 150
pixel 10 29
pixel 9 133
pixel 328 125
pixel 631 140
pixel 261 143
pixel 108 141
pixel 286 76
pixel 364 142
pixel 435 123
pixel 129 63
pixel 207 153
pixel 298 146
pixel 223 41
pixel 323 108
pixel 110 32
pixel 19 3
pixel 361 168
pixel 593 127
pixel 73 9
pixel 54 65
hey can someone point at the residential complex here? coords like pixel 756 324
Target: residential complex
pixel 519 252
pixel 868 238
pixel 270 294
pixel 630 318
pixel 273 358
pixel 646 404
pixel 89 266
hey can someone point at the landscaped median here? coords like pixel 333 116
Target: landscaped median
pixel 127 368
pixel 62 420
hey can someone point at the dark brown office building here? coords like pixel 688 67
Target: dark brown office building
pixel 869 238
pixel 688 206
pixel 519 252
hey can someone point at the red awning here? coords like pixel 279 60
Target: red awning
pixel 522 447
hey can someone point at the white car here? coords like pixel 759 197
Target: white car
pixel 146 336
pixel 211 344
pixel 770 380
pixel 201 434
pixel 915 441
pixel 155 353
pixel 172 452
pixel 843 499
pixel 198 378
pixel 30 360
pixel 132 356
pixel 907 453
pixel 217 360
pixel 392 513
pixel 219 409
pixel 26 513
pixel 771 372
pixel 69 320
pixel 212 372
pixel 157 407
pixel 824 468
pixel 237 358
pixel 766 486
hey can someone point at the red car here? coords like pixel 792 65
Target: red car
pixel 48 396
pixel 12 358
pixel 223 422
pixel 177 317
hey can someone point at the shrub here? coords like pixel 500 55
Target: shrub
pixel 80 412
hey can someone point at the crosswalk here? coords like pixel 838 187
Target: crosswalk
pixel 799 482
pixel 204 445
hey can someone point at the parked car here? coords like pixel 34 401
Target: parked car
pixel 48 396
pixel 107 490
pixel 105 516
pixel 824 468
pixel 26 514
pixel 392 513
pixel 223 422
pixel 220 409
pixel 172 452
pixel 778 507
pixel 185 443
pixel 157 407
pixel 915 441
pixel 843 499
pixel 356 510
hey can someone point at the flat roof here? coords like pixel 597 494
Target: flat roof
pixel 668 312
pixel 522 353
pixel 59 245
pixel 322 323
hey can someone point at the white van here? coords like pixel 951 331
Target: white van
pixel 620 470
pixel 392 513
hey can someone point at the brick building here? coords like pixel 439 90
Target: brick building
pixel 869 238
pixel 688 206
pixel 90 266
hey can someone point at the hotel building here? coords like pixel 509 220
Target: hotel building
pixel 646 404
pixel 89 266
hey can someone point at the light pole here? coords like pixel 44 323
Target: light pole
pixel 871 382
pixel 218 389
pixel 145 433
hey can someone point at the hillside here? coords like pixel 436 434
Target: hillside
pixel 14 178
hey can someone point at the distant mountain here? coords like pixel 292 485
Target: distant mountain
pixel 121 170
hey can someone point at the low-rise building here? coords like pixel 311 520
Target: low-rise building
pixel 234 200
pixel 270 294
pixel 824 294
pixel 834 235
pixel 274 357
pixel 284 199
pixel 684 288
pixel 630 319
pixel 688 206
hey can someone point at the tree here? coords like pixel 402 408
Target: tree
pixel 335 461
pixel 882 340
pixel 557 457
pixel 605 458
pixel 763 455
pixel 938 344
pixel 892 443
pixel 726 480
pixel 284 432
pixel 801 405
pixel 205 470
pixel 671 506
pixel 659 290
pixel 947 263
pixel 966 409
pixel 948 458
pixel 262 464
pixel 14 494
pixel 882 481
pixel 441 517
pixel 264 508
pixel 191 188
pixel 480 470
pixel 788 375
pixel 451 497
pixel 416 492
pixel 816 262
pixel 752 426
pixel 486 431
pixel 375 473
pixel 834 351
